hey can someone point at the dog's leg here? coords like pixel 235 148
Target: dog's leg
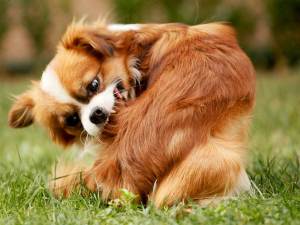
pixel 65 179
pixel 108 178
pixel 210 172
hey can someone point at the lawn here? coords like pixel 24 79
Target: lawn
pixel 274 166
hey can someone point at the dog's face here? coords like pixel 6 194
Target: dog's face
pixel 79 87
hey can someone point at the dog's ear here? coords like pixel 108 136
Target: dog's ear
pixel 88 39
pixel 21 115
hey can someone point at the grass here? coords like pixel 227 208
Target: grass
pixel 274 166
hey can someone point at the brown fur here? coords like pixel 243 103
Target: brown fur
pixel 199 82
pixel 185 135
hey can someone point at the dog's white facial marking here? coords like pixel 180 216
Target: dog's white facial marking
pixel 51 84
pixel 123 27
pixel 104 100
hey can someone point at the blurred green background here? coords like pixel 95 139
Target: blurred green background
pixel 267 30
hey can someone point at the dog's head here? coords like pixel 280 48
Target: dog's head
pixel 79 87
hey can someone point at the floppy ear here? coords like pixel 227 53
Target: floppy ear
pixel 20 115
pixel 89 40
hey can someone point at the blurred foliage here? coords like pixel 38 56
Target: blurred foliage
pixel 186 11
pixel 281 20
pixel 36 19
pixel 129 10
pixel 283 17
pixel 3 22
pixel 65 6
pixel 285 26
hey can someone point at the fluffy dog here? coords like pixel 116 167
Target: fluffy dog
pixel 183 136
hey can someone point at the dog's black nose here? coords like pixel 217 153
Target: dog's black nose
pixel 98 116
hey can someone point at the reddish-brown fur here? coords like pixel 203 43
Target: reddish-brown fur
pixel 199 82
pixel 185 135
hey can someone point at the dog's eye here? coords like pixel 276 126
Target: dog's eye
pixel 120 86
pixel 93 86
pixel 72 120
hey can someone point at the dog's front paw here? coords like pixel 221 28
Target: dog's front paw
pixel 98 182
pixel 62 187
pixel 93 182
pixel 65 180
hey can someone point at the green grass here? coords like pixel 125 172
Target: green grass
pixel 274 166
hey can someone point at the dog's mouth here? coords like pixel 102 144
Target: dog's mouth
pixel 120 91
pixel 118 94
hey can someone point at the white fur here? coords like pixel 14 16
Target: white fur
pixel 243 184
pixel 51 84
pixel 105 100
pixel 133 63
pixel 123 27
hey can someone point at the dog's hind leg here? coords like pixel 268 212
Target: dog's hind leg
pixel 210 172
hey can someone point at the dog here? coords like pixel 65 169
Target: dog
pixel 168 104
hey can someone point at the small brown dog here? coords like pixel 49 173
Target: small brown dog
pixel 183 136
